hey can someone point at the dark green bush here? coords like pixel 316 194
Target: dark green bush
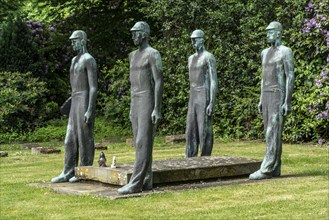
pixel 18 50
pixel 114 96
pixel 234 34
pixel 23 104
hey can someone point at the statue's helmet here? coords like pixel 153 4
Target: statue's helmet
pixel 274 25
pixel 79 34
pixel 141 26
pixel 197 34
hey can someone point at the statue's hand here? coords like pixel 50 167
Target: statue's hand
pixel 156 115
pixel 285 109
pixel 88 117
pixel 209 109
pixel 260 107
pixel 130 116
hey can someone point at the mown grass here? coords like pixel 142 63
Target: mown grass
pixel 301 193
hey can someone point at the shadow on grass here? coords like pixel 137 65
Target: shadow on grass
pixel 307 173
pixel 226 181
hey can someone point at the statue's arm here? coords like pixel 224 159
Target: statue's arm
pixel 211 62
pixel 260 105
pixel 92 81
pixel 156 67
pixel 130 110
pixel 213 79
pixel 288 63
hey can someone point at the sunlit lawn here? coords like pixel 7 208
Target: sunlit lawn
pixel 302 192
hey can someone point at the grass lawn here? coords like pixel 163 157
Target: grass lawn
pixel 302 192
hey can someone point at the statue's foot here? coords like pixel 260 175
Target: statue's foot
pixel 259 176
pixel 276 173
pixel 73 179
pixel 127 189
pixel 147 186
pixel 59 179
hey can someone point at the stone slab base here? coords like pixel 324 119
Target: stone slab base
pixel 174 139
pixel 174 170
pixel 3 154
pixel 111 191
pixel 45 150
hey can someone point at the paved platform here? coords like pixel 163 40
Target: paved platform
pixel 110 191
pixel 174 170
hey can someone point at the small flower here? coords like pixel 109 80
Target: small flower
pixel 318 83
pixel 310 5
pixel 37 24
pixel 325 114
pixel 46 69
pixel 324 75
pixel 319 116
pixel 321 141
pixel 51 28
pixel 312 22
pixel 310 109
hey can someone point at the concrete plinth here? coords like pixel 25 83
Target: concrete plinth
pixel 174 170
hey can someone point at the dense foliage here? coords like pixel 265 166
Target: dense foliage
pixel 22 99
pixel 234 34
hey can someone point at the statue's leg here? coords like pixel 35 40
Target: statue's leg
pixel 148 180
pixel 204 125
pixel 272 144
pixel 273 122
pixel 192 137
pixel 277 166
pixel 206 148
pixel 144 142
pixel 273 133
pixel 71 154
pixel 85 134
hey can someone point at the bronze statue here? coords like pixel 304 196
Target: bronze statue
pixel 146 95
pixel 203 90
pixel 275 99
pixel 79 134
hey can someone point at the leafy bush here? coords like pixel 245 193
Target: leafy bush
pixel 307 33
pixel 234 34
pixel 23 104
pixel 114 96
pixel 18 51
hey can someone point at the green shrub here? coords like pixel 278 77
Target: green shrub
pixel 18 51
pixel 234 34
pixel 23 104
pixel 114 94
pixel 306 32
